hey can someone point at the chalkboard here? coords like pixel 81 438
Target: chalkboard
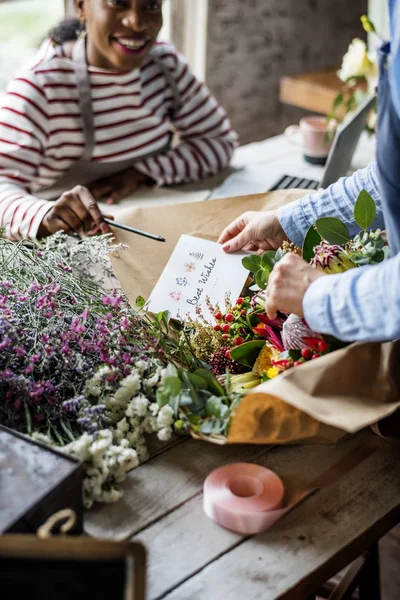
pixel 71 568
pixel 62 580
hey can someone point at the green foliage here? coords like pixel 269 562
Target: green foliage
pixel 261 266
pixel 140 302
pixel 333 230
pixel 364 210
pixel 311 240
pixel 246 354
pixel 252 263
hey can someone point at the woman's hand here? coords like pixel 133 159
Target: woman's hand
pixel 253 231
pixel 76 211
pixel 287 285
pixel 113 189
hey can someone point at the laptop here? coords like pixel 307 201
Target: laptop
pixel 264 178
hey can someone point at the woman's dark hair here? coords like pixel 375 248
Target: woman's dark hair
pixel 66 31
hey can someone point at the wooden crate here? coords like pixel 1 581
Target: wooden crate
pixel 35 482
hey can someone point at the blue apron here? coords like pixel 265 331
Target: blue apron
pixel 388 153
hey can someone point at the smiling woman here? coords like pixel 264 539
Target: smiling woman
pixel 94 118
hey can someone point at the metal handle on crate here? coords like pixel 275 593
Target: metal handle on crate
pixel 45 531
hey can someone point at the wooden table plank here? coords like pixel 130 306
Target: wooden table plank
pixel 304 549
pixel 189 525
pixel 162 484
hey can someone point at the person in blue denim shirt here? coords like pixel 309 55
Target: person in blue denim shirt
pixel 362 304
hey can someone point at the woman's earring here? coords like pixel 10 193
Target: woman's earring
pixel 81 32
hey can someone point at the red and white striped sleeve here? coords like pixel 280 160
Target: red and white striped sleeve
pixel 206 138
pixel 23 135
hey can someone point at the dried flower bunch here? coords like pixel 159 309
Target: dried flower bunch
pixel 78 368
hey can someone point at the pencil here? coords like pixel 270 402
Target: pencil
pixel 151 236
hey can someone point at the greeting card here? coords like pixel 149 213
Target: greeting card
pixel 198 269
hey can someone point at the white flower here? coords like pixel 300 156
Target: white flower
pixel 137 406
pixel 152 381
pixel 80 448
pixel 123 425
pixel 165 417
pixel 142 365
pixel 154 408
pixel 103 442
pixel 111 496
pixel 40 437
pixel 164 435
pixel 357 63
pixel 128 389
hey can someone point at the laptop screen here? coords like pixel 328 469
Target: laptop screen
pixel 345 143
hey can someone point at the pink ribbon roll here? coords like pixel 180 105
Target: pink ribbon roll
pixel 248 498
pixel 243 497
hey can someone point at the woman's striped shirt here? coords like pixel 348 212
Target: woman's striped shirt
pixel 41 134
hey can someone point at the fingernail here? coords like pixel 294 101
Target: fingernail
pixel 105 228
pixel 226 247
pixel 109 201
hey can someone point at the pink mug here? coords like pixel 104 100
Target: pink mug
pixel 315 134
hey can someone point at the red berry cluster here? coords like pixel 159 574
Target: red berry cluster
pixel 318 347
pixel 233 324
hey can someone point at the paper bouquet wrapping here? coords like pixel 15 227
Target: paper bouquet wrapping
pixel 324 400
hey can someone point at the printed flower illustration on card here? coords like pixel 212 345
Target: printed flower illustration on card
pixel 182 281
pixel 177 296
pixel 196 255
pixel 190 267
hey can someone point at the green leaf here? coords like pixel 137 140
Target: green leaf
pixel 162 398
pixel 279 254
pixel 140 302
pixel 216 408
pixel 252 263
pixel 338 101
pixel 246 354
pixel 213 384
pixel 210 426
pixel 166 315
pixel 261 278
pixel 294 354
pixel 333 230
pixel 268 260
pixel 364 210
pixel 172 386
pixel 197 381
pixel 311 240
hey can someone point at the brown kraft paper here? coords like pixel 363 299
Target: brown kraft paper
pixel 323 400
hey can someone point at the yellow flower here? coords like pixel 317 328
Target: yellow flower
pixel 264 360
pixel 272 372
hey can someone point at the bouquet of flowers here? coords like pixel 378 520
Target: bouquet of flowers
pixel 78 368
pixel 242 347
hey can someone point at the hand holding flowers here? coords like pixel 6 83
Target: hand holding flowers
pixel 288 284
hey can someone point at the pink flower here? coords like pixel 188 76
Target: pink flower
pixel 77 326
pixel 112 301
pixel 125 324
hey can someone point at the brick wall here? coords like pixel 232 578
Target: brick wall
pixel 251 43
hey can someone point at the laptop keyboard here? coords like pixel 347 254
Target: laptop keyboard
pixel 288 182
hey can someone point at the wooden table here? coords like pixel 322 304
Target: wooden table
pixel 192 558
